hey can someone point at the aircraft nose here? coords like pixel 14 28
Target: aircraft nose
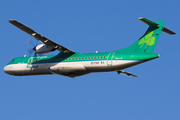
pixel 8 70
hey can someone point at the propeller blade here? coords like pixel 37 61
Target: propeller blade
pixel 34 44
pixel 30 42
pixel 30 51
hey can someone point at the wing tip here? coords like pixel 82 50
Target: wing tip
pixel 11 20
pixel 140 18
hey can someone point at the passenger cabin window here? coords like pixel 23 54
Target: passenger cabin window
pixel 104 57
pixel 101 57
pixel 97 57
pixel 79 58
pixel 72 58
pixel 85 58
pixel 82 58
pixel 75 58
pixel 91 57
pixel 88 58
pixel 94 57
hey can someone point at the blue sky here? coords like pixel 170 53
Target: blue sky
pixel 89 26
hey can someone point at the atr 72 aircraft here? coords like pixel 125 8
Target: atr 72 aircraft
pixel 72 64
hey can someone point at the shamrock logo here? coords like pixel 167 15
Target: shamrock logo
pixel 148 39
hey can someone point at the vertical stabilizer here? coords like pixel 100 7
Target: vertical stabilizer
pixel 147 42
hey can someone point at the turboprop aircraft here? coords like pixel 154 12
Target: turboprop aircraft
pixel 72 64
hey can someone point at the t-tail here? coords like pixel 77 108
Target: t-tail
pixel 147 42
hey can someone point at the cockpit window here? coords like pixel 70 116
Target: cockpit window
pixel 12 60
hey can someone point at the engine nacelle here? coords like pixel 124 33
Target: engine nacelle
pixel 42 48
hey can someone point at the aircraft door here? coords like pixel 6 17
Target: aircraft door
pixel 110 59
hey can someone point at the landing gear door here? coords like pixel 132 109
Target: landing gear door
pixel 110 59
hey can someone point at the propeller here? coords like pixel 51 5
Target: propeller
pixel 39 49
pixel 32 50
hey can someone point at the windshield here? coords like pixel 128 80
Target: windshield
pixel 10 61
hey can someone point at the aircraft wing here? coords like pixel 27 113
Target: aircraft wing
pixel 40 37
pixel 126 73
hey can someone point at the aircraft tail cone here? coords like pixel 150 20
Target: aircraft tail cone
pixel 159 55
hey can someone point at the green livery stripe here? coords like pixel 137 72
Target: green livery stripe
pixel 61 57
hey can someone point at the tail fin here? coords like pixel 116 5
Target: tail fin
pixel 147 42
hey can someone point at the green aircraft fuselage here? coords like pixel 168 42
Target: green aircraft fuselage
pixel 92 62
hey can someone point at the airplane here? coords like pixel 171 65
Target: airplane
pixel 70 63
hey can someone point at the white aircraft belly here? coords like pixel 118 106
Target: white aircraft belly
pixel 90 66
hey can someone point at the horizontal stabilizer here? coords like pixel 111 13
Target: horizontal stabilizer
pixel 148 22
pixel 151 23
pixel 168 31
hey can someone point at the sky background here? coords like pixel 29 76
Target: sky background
pixel 87 26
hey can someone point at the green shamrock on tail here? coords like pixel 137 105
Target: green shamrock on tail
pixel 148 39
